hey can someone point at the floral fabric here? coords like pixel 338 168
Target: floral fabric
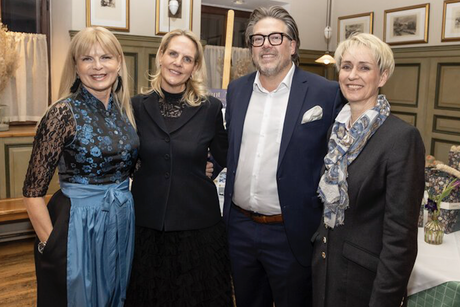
pixel 343 148
pixel 89 143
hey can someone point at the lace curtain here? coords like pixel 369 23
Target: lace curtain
pixel 26 95
pixel 214 58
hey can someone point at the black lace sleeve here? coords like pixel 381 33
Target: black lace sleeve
pixel 56 129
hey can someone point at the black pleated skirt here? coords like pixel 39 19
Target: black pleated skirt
pixel 181 268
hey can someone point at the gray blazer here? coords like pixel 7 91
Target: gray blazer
pixel 368 261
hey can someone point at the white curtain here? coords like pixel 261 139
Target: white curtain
pixel 27 92
pixel 214 58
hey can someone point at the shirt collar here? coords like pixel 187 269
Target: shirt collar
pixel 91 99
pixel 285 83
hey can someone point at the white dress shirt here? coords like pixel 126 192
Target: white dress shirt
pixel 255 182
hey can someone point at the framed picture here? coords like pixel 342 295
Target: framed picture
pixel 360 23
pixel 110 14
pixel 406 25
pixel 166 21
pixel 451 21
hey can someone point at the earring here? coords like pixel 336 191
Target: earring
pixel 119 84
pixel 75 85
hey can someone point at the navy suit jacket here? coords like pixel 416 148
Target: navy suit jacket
pixel 302 149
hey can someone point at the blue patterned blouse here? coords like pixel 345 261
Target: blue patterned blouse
pixel 89 143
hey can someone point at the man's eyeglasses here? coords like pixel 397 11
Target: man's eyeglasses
pixel 275 39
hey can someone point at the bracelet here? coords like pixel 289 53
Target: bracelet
pixel 41 246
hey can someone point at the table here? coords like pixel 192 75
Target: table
pixel 435 279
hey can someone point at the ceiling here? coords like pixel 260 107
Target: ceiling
pixel 248 5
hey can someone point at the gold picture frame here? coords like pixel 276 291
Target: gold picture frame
pixel 451 21
pixel 406 25
pixel 166 22
pixel 362 23
pixel 110 14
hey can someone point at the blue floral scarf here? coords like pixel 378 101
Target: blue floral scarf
pixel 343 148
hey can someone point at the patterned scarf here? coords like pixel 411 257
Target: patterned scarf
pixel 344 146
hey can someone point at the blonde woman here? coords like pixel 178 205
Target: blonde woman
pixel 372 188
pixel 181 256
pixel 85 238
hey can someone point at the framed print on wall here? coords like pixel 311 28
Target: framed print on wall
pixel 110 14
pixel 406 25
pixel 359 23
pixel 451 21
pixel 166 21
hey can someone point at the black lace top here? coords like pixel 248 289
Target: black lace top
pixel 171 107
pixel 89 143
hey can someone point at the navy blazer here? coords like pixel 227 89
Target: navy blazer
pixel 171 190
pixel 302 149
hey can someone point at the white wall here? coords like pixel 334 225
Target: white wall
pixel 69 15
pixel 310 16
pixel 348 7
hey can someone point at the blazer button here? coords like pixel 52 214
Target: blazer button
pixel 166 156
pixel 323 254
pixel 167 175
pixel 324 240
pixel 166 139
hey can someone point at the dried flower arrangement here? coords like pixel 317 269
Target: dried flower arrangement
pixel 8 57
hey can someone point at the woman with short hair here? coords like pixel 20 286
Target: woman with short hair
pixel 372 188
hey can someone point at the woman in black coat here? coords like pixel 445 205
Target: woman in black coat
pixel 181 256
pixel 372 189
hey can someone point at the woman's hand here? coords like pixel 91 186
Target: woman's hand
pixel 39 217
pixel 209 169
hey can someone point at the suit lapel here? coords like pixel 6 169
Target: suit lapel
pixel 151 106
pixel 295 103
pixel 187 114
pixel 240 108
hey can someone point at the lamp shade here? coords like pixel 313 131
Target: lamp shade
pixel 173 6
pixel 325 59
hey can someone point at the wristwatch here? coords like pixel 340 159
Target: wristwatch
pixel 41 246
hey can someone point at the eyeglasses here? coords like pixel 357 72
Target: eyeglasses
pixel 275 39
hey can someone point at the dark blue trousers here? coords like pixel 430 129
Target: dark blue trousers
pixel 264 268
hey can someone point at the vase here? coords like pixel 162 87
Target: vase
pixel 434 232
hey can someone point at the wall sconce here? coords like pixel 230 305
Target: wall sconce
pixel 326 58
pixel 173 6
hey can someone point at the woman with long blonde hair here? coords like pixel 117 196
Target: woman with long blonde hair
pixel 85 237
pixel 181 256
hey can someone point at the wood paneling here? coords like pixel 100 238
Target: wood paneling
pixel 447 86
pixel 440 149
pixel 410 118
pixel 425 91
pixel 446 124
pixel 403 87
pixel 133 66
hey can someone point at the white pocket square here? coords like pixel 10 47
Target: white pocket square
pixel 313 114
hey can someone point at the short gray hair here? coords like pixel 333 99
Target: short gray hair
pixel 276 12
pixel 383 54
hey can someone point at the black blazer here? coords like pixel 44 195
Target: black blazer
pixel 171 190
pixel 368 261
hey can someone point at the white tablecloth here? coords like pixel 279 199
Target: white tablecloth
pixel 435 264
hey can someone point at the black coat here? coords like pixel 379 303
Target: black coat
pixel 368 260
pixel 171 190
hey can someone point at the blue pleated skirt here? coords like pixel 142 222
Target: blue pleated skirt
pixel 100 243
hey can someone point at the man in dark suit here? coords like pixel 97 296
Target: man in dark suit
pixel 277 119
